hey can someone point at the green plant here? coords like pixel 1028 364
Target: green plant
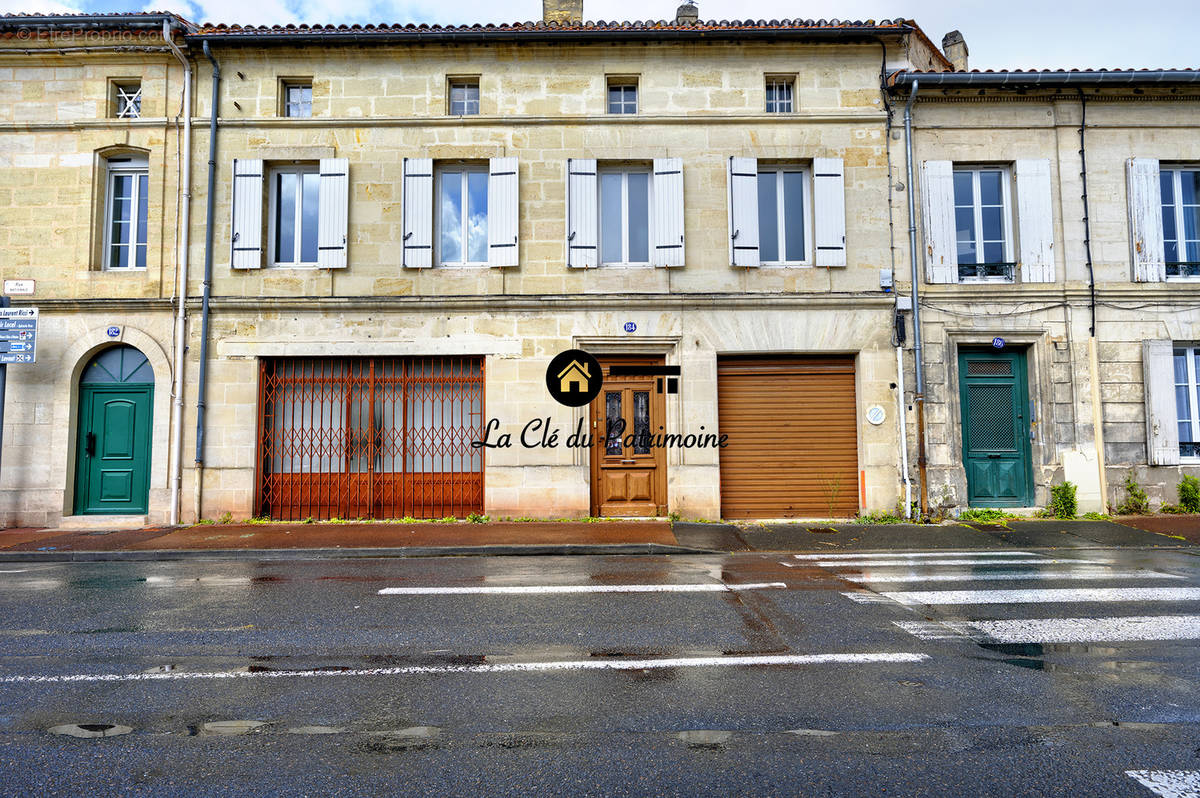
pixel 1171 509
pixel 833 486
pixel 449 519
pixel 204 522
pixel 258 519
pixel 879 517
pixel 1063 503
pixel 226 518
pixel 1095 516
pixel 673 516
pixel 1189 494
pixel 986 515
pixel 476 518
pixel 1136 501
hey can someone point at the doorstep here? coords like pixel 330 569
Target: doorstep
pixel 100 523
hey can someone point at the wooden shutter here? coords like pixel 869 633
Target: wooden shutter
pixel 246 241
pixel 667 219
pixel 1035 221
pixel 417 252
pixel 503 209
pixel 1145 221
pixel 937 210
pixel 829 211
pixel 743 212
pixel 582 218
pixel 332 218
pixel 1162 425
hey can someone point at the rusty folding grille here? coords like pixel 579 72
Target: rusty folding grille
pixel 370 437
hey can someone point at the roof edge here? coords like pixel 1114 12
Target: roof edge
pixel 903 79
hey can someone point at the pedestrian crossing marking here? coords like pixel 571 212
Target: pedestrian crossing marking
pixel 891 555
pixel 1096 574
pixel 1169 783
pixel 1043 596
pixel 1140 628
pixel 703 587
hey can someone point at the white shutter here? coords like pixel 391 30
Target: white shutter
pixel 246 241
pixel 1145 221
pixel 582 218
pixel 332 218
pixel 503 209
pixel 667 224
pixel 417 250
pixel 829 211
pixel 1035 221
pixel 937 210
pixel 1162 426
pixel 743 212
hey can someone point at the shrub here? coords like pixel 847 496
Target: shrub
pixel 879 517
pixel 1062 500
pixel 1136 501
pixel 986 515
pixel 476 518
pixel 1189 494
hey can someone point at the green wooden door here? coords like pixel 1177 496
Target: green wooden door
pixel 112 475
pixel 996 452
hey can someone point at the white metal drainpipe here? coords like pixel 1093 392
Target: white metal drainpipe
pixel 185 160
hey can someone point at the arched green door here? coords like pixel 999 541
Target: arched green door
pixel 116 397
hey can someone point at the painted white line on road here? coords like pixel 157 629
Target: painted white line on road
pixel 891 555
pixel 847 564
pixel 18 571
pixel 1169 783
pixel 1062 630
pixel 497 667
pixel 1010 576
pixel 708 587
pixel 1044 596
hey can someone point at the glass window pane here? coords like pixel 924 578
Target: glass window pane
pixel 614 425
pixel 964 189
pixel 614 99
pixel 1191 223
pixel 1180 363
pixel 477 207
pixel 143 207
pixel 285 217
pixel 309 211
pixel 140 261
pixel 611 224
pixel 120 232
pixel 768 218
pixel 793 215
pixel 1166 182
pixel 450 208
pixel 1171 253
pixel 1168 214
pixel 641 422
pixel 639 218
pixel 993 252
pixel 1189 185
pixel 993 224
pixel 966 252
pixel 118 257
pixel 964 225
pixel 990 192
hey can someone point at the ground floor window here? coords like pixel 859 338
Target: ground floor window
pixel 1187 400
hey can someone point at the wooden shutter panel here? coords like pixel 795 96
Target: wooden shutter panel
pixel 418 213
pixel 829 211
pixel 503 210
pixel 582 218
pixel 332 218
pixel 1145 221
pixel 1035 221
pixel 743 212
pixel 667 221
pixel 1162 426
pixel 937 208
pixel 246 241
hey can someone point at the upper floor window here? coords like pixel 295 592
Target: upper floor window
pixel 297 99
pixel 622 96
pixel 462 210
pixel 983 222
pixel 127 99
pixel 779 94
pixel 1187 399
pixel 464 96
pixel 294 211
pixel 126 212
pixel 625 216
pixel 1181 221
pixel 783 227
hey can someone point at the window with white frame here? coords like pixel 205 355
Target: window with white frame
pixel 622 96
pixel 462 215
pixel 1181 220
pixel 127 100
pixel 625 216
pixel 779 94
pixel 294 208
pixel 127 195
pixel 983 223
pixel 464 96
pixel 297 99
pixel 1187 400
pixel 783 220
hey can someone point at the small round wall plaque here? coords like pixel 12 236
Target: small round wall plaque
pixel 876 414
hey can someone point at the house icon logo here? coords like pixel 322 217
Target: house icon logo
pixel 574 378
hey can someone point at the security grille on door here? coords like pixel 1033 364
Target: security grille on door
pixel 989 368
pixel 989 409
pixel 370 437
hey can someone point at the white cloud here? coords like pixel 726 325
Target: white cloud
pixel 181 7
pixel 38 7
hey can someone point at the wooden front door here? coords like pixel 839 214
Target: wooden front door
pixel 629 473
pixel 996 450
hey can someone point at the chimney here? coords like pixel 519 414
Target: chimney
pixel 564 12
pixel 687 14
pixel 956 50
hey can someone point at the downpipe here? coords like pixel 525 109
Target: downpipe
pixel 903 432
pixel 181 260
pixel 202 379
pixel 918 352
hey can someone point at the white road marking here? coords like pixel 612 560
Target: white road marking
pixel 891 555
pixel 1044 596
pixel 707 587
pixel 847 564
pixel 498 667
pixel 18 571
pixel 1062 630
pixel 1011 576
pixel 1169 783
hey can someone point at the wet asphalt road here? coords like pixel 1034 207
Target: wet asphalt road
pixel 529 691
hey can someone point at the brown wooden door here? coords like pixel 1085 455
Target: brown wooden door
pixel 793 438
pixel 629 474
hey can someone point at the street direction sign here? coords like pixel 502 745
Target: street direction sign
pixel 18 335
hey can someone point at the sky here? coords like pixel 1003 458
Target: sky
pixel 1000 34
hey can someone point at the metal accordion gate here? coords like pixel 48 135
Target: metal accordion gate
pixel 370 437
